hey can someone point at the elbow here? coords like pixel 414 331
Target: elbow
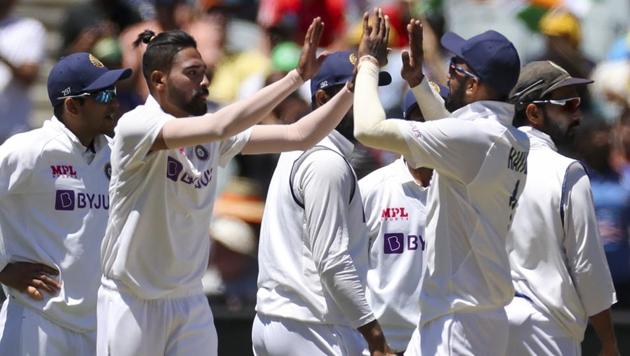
pixel 364 137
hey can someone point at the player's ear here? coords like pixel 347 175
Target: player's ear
pixel 534 115
pixel 321 97
pixel 157 79
pixel 71 105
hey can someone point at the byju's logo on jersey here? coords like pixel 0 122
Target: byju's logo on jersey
pixel 174 169
pixel 71 200
pixel 65 170
pixel 394 243
pixel 394 214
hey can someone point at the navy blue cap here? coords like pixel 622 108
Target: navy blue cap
pixel 81 73
pixel 490 55
pixel 337 69
pixel 409 102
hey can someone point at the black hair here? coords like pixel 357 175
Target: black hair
pixel 161 49
pixel 58 110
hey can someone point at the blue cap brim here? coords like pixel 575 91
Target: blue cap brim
pixel 108 79
pixel 453 42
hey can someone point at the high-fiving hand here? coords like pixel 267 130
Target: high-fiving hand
pixel 375 37
pixel 412 60
pixel 309 62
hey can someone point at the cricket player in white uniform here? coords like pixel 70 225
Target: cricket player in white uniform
pixel 165 157
pixel 394 200
pixel 53 212
pixel 478 159
pixel 559 268
pixel 313 244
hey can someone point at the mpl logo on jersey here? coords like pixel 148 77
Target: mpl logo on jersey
pixel 65 170
pixel 395 243
pixel 71 200
pixel 175 172
pixel 394 214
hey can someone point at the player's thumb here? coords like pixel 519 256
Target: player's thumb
pixel 322 57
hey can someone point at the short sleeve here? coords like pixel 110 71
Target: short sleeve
pixel 232 146
pixel 453 147
pixel 16 165
pixel 135 135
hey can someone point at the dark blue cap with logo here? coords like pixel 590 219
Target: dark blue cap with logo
pixel 81 73
pixel 337 69
pixel 409 102
pixel 490 55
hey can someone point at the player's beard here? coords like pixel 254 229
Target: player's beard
pixel 455 98
pixel 196 106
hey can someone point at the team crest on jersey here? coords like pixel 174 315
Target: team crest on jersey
pixel 108 170
pixel 95 61
pixel 201 153
pixel 63 170
pixel 394 214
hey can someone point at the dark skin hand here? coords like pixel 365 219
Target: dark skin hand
pixel 31 278
pixel 309 63
pixel 374 38
pixel 411 70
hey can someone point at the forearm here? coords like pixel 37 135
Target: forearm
pixel 230 120
pixel 370 126
pixel 304 133
pixel 430 102
pixel 251 110
pixel 602 323
pixel 373 335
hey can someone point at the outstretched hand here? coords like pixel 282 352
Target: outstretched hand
pixel 309 62
pixel 375 37
pixel 31 279
pixel 412 60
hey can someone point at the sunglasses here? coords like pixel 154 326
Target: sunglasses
pixel 569 105
pixel 105 96
pixel 455 68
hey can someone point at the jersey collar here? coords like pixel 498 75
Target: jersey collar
pixel 538 138
pixel 57 125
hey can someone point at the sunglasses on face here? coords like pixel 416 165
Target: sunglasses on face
pixel 105 96
pixel 454 67
pixel 569 105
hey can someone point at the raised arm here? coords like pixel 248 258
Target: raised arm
pixel 243 114
pixel 430 102
pixel 303 133
pixel 370 126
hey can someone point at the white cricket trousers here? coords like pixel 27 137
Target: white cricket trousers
pixel 533 333
pixel 273 336
pixel 25 332
pixel 129 326
pixel 462 334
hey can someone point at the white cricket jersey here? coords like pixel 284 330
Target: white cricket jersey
pixel 555 253
pixel 395 209
pixel 22 41
pixel 313 259
pixel 156 244
pixel 479 161
pixel 53 210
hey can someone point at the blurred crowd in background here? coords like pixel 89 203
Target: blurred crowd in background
pixel 247 44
